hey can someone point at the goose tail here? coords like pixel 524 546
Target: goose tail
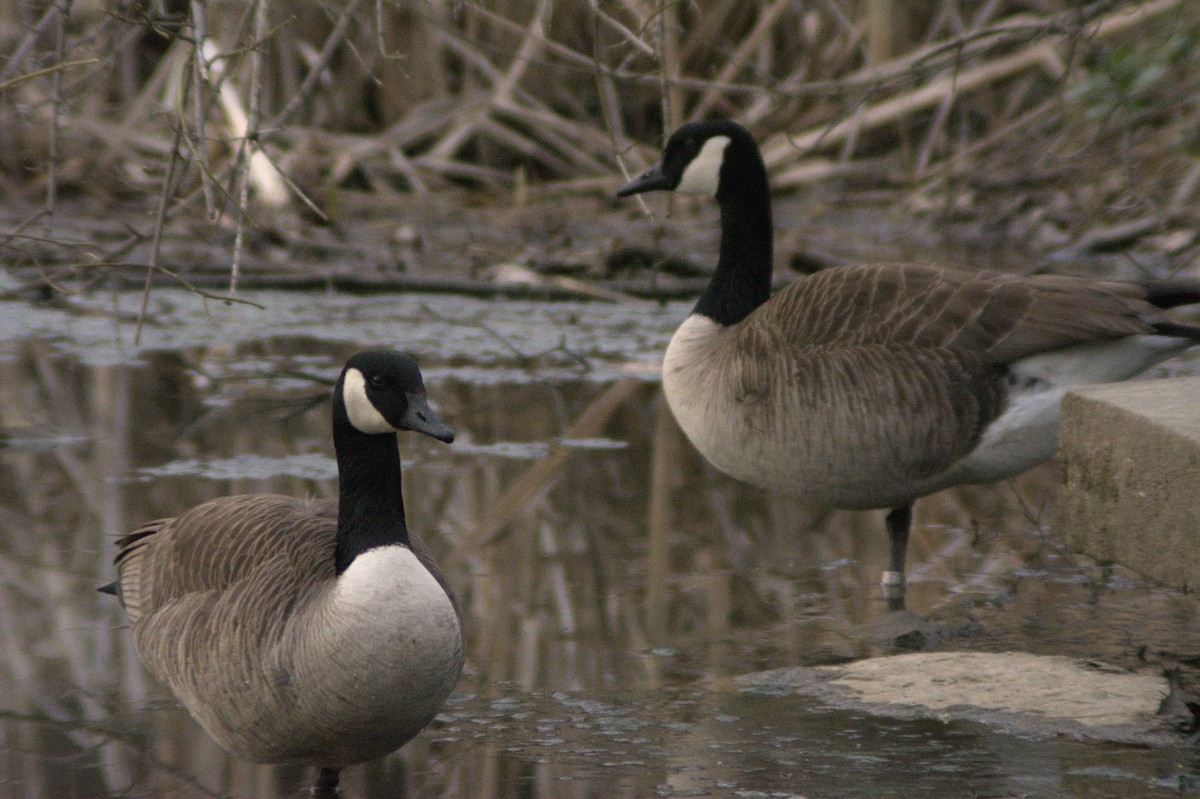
pixel 1176 330
pixel 1172 293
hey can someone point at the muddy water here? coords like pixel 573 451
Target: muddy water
pixel 612 583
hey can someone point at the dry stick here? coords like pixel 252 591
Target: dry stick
pixel 912 66
pixel 31 38
pixel 880 23
pixel 669 66
pixel 943 170
pixel 261 19
pixel 586 62
pixel 612 22
pixel 538 477
pixel 610 111
pixel 242 123
pixel 335 38
pixel 782 149
pixel 576 142
pixel 228 299
pixel 909 67
pixel 159 225
pixel 551 128
pixel 37 73
pixel 200 152
pixel 713 27
pixel 503 89
pixel 935 130
pixel 761 30
pixel 29 220
pixel 60 39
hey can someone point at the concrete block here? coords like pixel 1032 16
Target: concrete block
pixel 1131 471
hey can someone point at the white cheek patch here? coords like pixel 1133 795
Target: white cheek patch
pixel 363 415
pixel 704 172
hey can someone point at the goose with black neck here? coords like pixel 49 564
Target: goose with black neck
pixel 297 630
pixel 872 385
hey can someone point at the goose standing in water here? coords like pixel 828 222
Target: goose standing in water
pixel 870 386
pixel 305 631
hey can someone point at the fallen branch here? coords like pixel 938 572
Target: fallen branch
pixel 784 149
pixel 502 91
pixel 46 71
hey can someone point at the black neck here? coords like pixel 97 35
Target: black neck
pixel 742 281
pixel 370 504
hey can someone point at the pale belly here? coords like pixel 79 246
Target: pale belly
pixel 356 672
pixel 824 444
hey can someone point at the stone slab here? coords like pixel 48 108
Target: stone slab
pixel 1131 474
pixel 1021 693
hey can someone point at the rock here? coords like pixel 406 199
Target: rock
pixel 1022 693
pixel 1131 473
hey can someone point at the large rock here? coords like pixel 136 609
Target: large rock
pixel 1131 456
pixel 1040 695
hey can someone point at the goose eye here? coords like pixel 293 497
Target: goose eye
pixel 376 381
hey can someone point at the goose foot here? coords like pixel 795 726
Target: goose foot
pixel 326 786
pixel 893 585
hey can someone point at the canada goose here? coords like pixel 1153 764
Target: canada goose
pixel 305 631
pixel 870 386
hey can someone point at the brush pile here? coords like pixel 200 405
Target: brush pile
pixel 159 139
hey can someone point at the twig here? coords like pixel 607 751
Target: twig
pixel 268 176
pixel 783 149
pixel 160 224
pixel 762 28
pixel 243 125
pixel 502 90
pixel 485 327
pixel 667 45
pixel 28 221
pixel 18 57
pixel 335 38
pixel 37 73
pixel 610 111
pixel 524 358
pixel 600 15
pixel 228 299
pixel 200 153
pixel 60 43
pixel 780 150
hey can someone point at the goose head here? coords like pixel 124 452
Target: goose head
pixel 701 158
pixel 381 392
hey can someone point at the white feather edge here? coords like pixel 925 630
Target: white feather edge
pixel 1027 432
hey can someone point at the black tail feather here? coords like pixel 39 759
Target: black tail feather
pixel 1176 330
pixel 1170 293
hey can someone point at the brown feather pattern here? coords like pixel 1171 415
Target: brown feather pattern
pixel 236 592
pixel 864 386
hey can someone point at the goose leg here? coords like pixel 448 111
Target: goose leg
pixel 327 783
pixel 898 522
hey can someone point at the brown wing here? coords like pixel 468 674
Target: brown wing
pixel 1004 317
pixel 223 543
pixel 903 365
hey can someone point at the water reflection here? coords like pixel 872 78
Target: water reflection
pixel 605 572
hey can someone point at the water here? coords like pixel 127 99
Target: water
pixel 612 583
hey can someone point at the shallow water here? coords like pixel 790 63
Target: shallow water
pixel 612 583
